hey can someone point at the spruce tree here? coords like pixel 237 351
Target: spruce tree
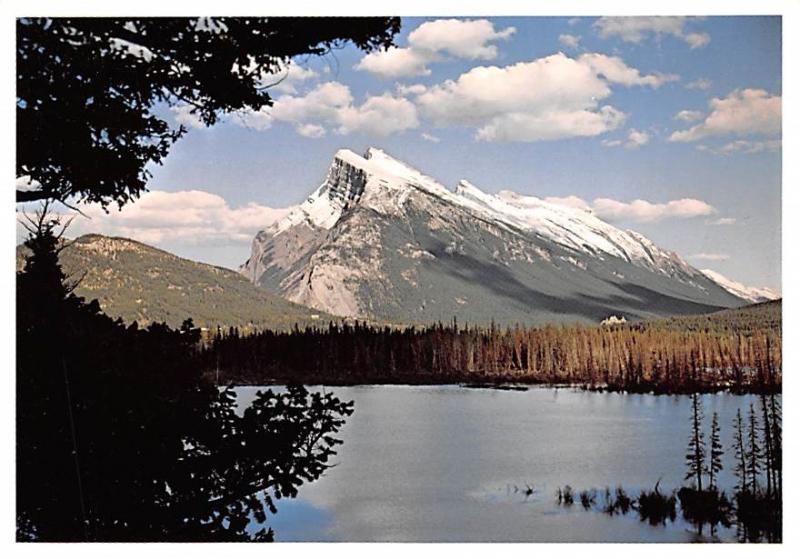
pixel 716 452
pixel 740 452
pixel 695 453
pixel 754 451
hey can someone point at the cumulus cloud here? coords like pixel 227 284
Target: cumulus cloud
pixel 742 112
pixel 293 76
pixel 330 106
pixel 688 116
pixel 634 29
pixel 742 146
pixel 396 62
pixel 185 217
pixel 639 211
pixel 571 201
pixel 569 41
pixel 434 41
pixel 701 84
pixel 183 115
pixel 635 140
pixel 712 256
pixel 26 183
pixel 614 69
pixel 643 211
pixel 544 99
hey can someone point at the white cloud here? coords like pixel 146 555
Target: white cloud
pixel 467 39
pixel 397 62
pixel 310 130
pixel 643 211
pixel 743 146
pixel 688 116
pixel 614 69
pixel 430 138
pixel 742 112
pixel 527 127
pixel 183 115
pixel 413 89
pixel 185 217
pixel 634 29
pixel 329 106
pixel 712 256
pixel 380 116
pixel 640 211
pixel 26 183
pixel 702 84
pixel 293 76
pixel 569 41
pixel 637 139
pixel 723 221
pixel 434 41
pixel 544 99
pixel 571 201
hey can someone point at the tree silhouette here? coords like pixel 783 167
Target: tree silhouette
pixel 754 451
pixel 89 89
pixel 695 454
pixel 715 453
pixel 120 438
pixel 740 452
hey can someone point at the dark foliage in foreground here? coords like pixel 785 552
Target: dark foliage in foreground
pixel 91 91
pixel 120 439
pixel 640 357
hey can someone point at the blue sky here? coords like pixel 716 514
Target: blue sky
pixel 597 121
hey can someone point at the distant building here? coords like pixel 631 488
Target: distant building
pixel 612 320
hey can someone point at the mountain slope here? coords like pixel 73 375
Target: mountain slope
pixel 752 294
pixel 135 281
pixel 380 239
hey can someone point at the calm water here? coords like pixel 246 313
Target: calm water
pixel 439 463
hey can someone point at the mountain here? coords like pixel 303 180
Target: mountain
pixel 752 294
pixel 137 282
pixel 380 239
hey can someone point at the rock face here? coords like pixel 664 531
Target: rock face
pixel 380 239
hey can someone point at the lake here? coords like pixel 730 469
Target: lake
pixel 448 463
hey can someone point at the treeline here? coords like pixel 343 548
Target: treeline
pixel 637 357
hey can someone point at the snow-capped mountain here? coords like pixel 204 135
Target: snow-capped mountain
pixel 380 239
pixel 752 294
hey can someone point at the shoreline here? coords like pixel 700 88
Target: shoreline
pixel 504 386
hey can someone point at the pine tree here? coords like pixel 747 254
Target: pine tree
pixel 695 454
pixel 716 452
pixel 740 452
pixel 754 451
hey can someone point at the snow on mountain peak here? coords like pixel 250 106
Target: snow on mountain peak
pixel 754 294
pixel 383 183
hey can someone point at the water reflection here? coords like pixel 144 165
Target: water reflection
pixel 441 463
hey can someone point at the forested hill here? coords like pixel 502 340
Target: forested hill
pixel 138 282
pixel 745 320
